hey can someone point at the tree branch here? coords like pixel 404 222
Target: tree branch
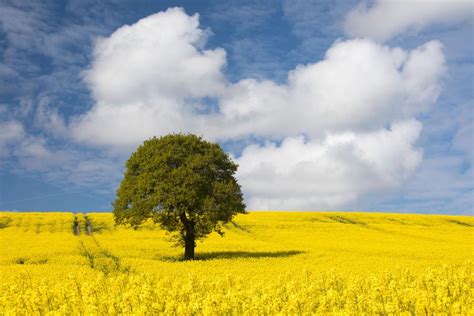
pixel 183 218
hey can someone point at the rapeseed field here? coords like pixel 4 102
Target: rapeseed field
pixel 267 263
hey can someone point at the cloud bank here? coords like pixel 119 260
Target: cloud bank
pixel 386 19
pixel 308 175
pixel 336 130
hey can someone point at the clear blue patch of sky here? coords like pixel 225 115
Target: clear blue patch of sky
pixel 19 192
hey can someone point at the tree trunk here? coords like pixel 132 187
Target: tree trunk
pixel 189 237
pixel 189 243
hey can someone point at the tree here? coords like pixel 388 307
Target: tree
pixel 183 183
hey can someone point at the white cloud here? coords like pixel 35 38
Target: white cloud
pixel 155 77
pixel 463 141
pixel 65 165
pixel 149 79
pixel 358 86
pixel 48 118
pixel 157 57
pixel 386 19
pixel 334 172
pixel 441 185
pixel 142 75
pixel 68 166
pixel 10 132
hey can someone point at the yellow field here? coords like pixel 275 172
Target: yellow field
pixel 267 263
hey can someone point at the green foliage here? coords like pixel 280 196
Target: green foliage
pixel 183 183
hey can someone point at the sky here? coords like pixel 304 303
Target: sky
pixel 325 105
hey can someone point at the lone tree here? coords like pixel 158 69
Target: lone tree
pixel 183 183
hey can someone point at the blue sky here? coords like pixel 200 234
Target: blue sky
pixel 325 105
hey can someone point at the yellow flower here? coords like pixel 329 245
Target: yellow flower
pixel 268 263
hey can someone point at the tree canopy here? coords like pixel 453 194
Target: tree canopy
pixel 183 183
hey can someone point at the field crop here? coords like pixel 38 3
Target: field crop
pixel 267 263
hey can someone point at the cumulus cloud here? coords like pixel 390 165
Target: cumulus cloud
pixel 153 77
pixel 309 174
pixel 346 123
pixel 158 56
pixel 358 86
pixel 143 74
pixel 386 19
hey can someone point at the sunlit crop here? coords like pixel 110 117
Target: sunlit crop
pixel 286 263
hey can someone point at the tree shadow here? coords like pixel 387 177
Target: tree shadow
pixel 234 255
pixel 246 254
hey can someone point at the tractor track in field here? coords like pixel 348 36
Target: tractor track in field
pixel 97 256
pixel 88 226
pixel 75 226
